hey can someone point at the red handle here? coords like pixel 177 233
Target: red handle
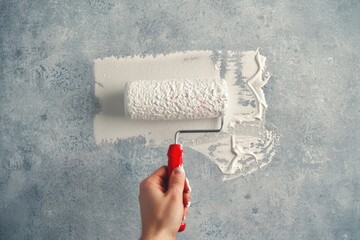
pixel 175 155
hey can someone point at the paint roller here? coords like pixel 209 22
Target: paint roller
pixel 175 99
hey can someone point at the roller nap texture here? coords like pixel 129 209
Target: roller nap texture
pixel 175 99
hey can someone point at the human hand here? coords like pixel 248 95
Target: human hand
pixel 164 204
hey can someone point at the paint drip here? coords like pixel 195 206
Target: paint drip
pixel 244 146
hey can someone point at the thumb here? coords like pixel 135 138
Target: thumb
pixel 177 181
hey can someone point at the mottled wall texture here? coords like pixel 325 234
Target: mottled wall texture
pixel 56 183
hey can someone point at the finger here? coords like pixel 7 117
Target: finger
pixel 160 172
pixel 176 181
pixel 186 195
pixel 186 199
pixel 187 187
pixel 186 210
pixel 157 178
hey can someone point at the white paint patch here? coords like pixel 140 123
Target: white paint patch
pixel 244 145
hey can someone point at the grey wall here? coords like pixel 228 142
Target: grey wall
pixel 56 183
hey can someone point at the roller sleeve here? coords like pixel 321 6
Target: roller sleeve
pixel 175 99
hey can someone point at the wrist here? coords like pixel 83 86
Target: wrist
pixel 157 236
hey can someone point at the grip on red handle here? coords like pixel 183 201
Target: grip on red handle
pixel 175 155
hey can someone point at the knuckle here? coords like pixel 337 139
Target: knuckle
pixel 144 185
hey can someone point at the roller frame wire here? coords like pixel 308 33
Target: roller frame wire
pixel 199 130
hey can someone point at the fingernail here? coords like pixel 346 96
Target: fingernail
pixel 179 170
pixel 188 204
pixel 188 183
pixel 182 227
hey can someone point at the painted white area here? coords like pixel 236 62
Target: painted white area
pixel 256 81
pixel 244 145
pixel 241 154
pixel 175 99
pixel 111 75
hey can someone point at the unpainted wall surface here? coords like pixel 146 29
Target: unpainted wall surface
pixel 57 183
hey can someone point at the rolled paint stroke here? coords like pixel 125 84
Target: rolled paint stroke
pixel 243 118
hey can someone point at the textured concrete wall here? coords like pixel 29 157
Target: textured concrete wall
pixel 56 183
